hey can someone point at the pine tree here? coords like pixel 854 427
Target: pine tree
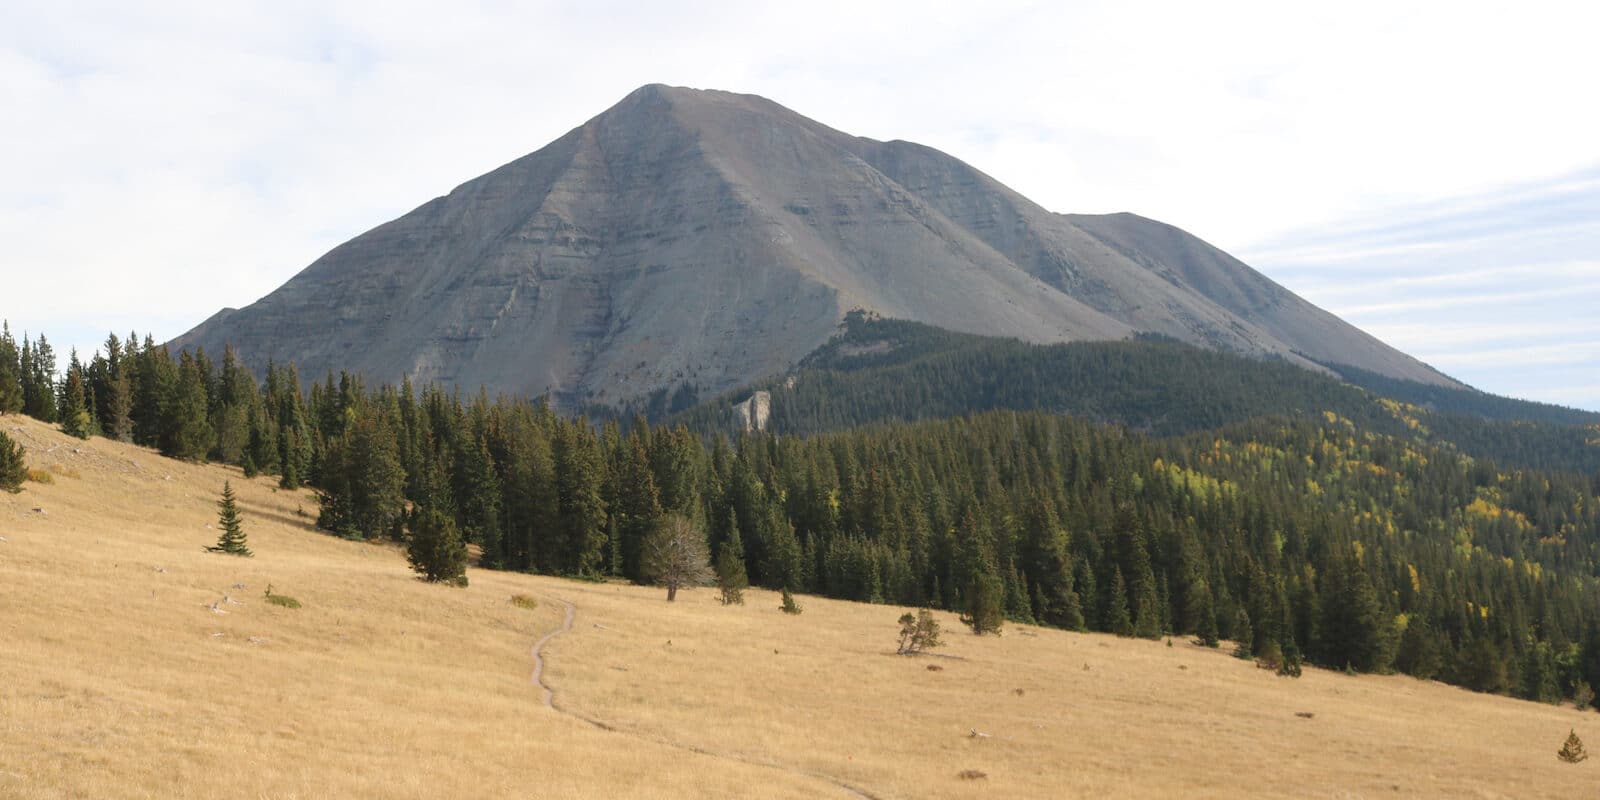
pixel 1117 617
pixel 185 413
pixel 13 469
pixel 1572 750
pixel 72 407
pixel 1206 618
pixel 436 550
pixel 731 577
pixel 1242 634
pixel 232 538
pixel 789 605
pixel 10 373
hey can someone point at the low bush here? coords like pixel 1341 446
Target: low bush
pixel 524 601
pixel 281 599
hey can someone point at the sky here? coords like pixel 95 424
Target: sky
pixel 1428 171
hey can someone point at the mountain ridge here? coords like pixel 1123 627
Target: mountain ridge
pixel 711 238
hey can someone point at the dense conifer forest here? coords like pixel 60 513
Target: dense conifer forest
pixel 1329 523
pixel 880 370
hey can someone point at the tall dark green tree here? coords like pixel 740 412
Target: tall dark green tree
pixel 10 372
pixel 185 413
pixel 731 577
pixel 72 406
pixel 13 468
pixel 436 550
pixel 232 539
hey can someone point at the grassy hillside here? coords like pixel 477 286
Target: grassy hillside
pixel 115 682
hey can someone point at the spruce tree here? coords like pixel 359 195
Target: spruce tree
pixel 1242 634
pixel 1572 749
pixel 1117 617
pixel 1206 618
pixel 436 550
pixel 72 406
pixel 10 373
pixel 789 605
pixel 731 577
pixel 13 469
pixel 232 538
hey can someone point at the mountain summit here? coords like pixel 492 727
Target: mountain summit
pixel 711 238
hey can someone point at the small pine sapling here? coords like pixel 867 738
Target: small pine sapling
pixel 789 605
pixel 1572 751
pixel 232 538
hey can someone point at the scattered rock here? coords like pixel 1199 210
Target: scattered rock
pixel 1305 714
pixel 1018 692
pixel 931 667
pixel 972 774
pixel 40 512
pixel 159 569
pixel 258 640
pixel 977 734
pixel 1183 666
pixel 240 586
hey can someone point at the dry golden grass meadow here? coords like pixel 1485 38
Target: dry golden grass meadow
pixel 119 679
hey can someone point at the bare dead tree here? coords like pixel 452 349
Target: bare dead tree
pixel 676 555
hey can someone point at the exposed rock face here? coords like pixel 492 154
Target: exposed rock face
pixel 752 414
pixel 716 238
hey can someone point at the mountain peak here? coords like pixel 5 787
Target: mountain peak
pixel 703 238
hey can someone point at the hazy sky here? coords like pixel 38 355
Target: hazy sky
pixel 1429 171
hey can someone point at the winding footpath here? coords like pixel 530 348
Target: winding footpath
pixel 549 697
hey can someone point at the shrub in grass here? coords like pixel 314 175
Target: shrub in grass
pixel 281 599
pixel 41 476
pixel 524 601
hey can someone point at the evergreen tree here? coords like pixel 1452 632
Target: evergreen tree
pixel 38 363
pixel 481 502
pixel 1118 620
pixel 731 577
pixel 13 469
pixel 363 488
pixel 1572 749
pixel 232 539
pixel 1206 618
pixel 10 373
pixel 1242 634
pixel 580 481
pixel 436 550
pixel 185 414
pixel 789 606
pixel 72 406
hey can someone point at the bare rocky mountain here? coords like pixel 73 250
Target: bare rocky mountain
pixel 714 238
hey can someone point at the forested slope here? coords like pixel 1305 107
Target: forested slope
pixel 1309 532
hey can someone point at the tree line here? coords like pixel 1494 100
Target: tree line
pixel 1307 534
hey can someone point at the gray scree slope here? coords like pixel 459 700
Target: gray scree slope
pixel 716 238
